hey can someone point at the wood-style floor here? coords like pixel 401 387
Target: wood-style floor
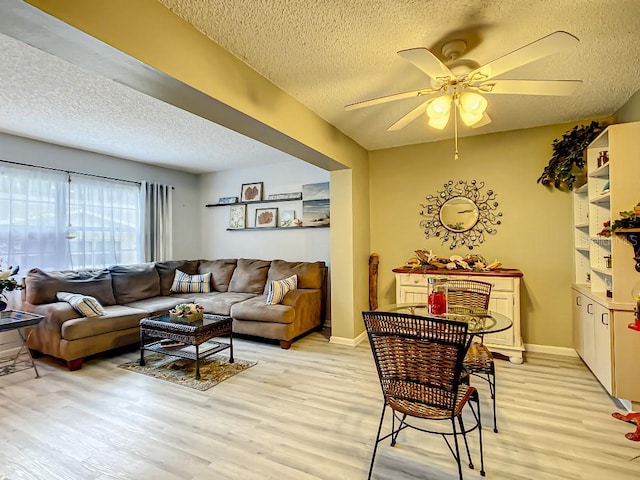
pixel 310 412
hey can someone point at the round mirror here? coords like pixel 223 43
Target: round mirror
pixel 459 214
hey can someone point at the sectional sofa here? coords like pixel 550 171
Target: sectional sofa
pixel 129 293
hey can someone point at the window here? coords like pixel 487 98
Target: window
pixel 105 216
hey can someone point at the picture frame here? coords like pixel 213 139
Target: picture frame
pixel 286 218
pixel 237 217
pixel 251 192
pixel 266 217
pixel 316 213
pixel 227 200
pixel 285 196
pixel 315 191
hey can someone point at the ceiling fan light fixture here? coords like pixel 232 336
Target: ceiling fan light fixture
pixel 440 107
pixel 473 103
pixel 438 123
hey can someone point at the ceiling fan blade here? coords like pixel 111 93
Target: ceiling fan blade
pixel 409 117
pixel 543 47
pixel 485 120
pixel 427 62
pixel 390 98
pixel 530 87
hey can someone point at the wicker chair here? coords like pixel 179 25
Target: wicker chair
pixel 419 362
pixel 471 294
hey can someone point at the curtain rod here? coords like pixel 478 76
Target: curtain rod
pixel 75 173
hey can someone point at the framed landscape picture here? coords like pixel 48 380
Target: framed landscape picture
pixel 237 216
pixel 287 217
pixel 315 213
pixel 266 217
pixel 315 191
pixel 251 192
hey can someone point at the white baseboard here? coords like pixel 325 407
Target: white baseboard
pixel 350 342
pixel 551 350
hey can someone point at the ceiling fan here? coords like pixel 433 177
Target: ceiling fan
pixel 462 87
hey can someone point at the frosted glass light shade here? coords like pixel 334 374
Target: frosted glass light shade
pixel 472 103
pixel 439 111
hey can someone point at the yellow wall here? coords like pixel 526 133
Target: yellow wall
pixel 630 111
pixel 535 235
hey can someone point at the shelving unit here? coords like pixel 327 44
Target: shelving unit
pixel 254 202
pixel 602 294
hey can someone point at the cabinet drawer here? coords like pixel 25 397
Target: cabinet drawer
pixel 497 283
pixel 413 280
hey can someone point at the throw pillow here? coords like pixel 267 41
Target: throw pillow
pixel 83 304
pixel 185 283
pixel 279 288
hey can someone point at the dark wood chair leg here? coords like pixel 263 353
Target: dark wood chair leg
pixel 285 344
pixel 74 364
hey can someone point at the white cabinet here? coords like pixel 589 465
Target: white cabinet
pixel 412 287
pixel 592 336
pixel 603 266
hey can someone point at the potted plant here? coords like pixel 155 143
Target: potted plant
pixel 567 159
pixel 7 284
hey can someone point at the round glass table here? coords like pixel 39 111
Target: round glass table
pixel 480 321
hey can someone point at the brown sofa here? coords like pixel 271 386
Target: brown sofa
pixel 129 293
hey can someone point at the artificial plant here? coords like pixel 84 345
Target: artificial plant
pixel 568 156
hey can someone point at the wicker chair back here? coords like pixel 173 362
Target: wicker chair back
pixel 468 294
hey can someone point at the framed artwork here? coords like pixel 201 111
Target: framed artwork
pixel 287 217
pixel 315 191
pixel 237 216
pixel 251 192
pixel 285 196
pixel 266 217
pixel 225 200
pixel 315 213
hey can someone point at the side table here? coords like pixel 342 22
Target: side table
pixel 17 320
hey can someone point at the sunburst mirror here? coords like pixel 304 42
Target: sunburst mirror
pixel 461 213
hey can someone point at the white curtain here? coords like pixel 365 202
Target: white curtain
pixel 158 221
pixel 34 216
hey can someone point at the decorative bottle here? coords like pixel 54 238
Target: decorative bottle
pixel 437 295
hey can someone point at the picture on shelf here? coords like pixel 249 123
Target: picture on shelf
pixel 266 217
pixel 315 191
pixel 285 196
pixel 225 200
pixel 251 192
pixel 315 213
pixel 237 216
pixel 287 217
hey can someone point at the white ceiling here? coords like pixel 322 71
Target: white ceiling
pixel 328 54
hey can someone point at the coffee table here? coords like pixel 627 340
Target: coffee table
pixel 17 320
pixel 183 339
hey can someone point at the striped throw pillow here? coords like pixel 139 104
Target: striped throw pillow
pixel 185 283
pixel 279 288
pixel 83 304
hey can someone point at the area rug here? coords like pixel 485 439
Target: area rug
pixel 213 370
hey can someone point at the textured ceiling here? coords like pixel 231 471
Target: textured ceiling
pixel 328 54
pixel 46 98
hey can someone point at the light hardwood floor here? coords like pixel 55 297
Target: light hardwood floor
pixel 310 412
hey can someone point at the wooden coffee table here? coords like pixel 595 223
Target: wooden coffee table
pixel 164 335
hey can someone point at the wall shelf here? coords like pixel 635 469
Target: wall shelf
pixel 254 203
pixel 604 197
pixel 276 228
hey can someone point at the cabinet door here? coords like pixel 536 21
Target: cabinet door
pixel 602 346
pixel 501 302
pixel 588 333
pixel 413 294
pixel 577 310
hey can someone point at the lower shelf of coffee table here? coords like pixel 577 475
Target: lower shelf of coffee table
pixel 211 346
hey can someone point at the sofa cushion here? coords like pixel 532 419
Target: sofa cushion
pixel 250 276
pixel 134 282
pixel 219 303
pixel 221 271
pixel 167 271
pixel 279 288
pixel 310 274
pixel 83 304
pixel 42 287
pixel 184 283
pixel 256 309
pixel 156 305
pixel 116 317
